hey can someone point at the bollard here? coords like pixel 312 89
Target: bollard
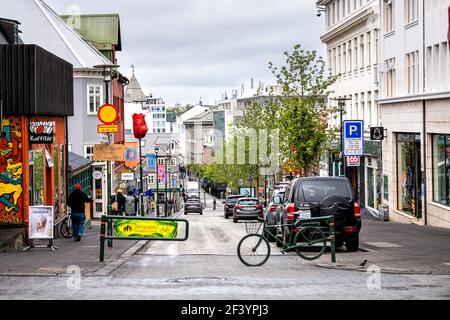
pixel 102 238
pixel 109 225
pixel 333 240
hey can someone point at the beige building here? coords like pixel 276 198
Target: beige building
pixel 415 111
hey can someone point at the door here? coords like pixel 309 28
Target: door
pixel 99 194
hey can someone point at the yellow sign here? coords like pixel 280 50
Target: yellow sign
pixel 108 114
pixel 107 128
pixel 109 152
pixel 149 228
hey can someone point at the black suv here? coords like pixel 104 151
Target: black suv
pixel 325 196
pixel 229 204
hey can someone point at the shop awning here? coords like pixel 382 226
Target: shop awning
pixel 77 163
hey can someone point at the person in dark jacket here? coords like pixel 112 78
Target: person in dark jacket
pixel 120 198
pixel 76 201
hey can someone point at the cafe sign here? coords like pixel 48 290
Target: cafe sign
pixel 41 132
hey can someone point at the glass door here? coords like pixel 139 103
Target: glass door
pixel 99 187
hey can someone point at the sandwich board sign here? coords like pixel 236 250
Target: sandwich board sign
pixel 353 144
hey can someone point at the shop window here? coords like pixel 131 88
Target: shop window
pixel 89 152
pixel 441 169
pixel 409 175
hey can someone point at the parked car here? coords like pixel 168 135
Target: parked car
pixel 193 205
pixel 247 208
pixel 324 196
pixel 228 205
pixel 273 211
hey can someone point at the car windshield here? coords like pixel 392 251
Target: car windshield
pixel 316 190
pixel 248 202
pixel 279 194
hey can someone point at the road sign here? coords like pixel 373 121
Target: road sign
pixel 108 114
pixel 107 128
pixel 377 133
pixel 353 161
pixel 353 138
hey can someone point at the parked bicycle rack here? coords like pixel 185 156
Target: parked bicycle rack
pixel 329 220
pixel 106 231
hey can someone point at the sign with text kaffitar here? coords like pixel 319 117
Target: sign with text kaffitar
pixel 41 132
pixel 353 144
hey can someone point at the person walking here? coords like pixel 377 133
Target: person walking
pixel 130 204
pixel 76 201
pixel 120 199
pixel 214 204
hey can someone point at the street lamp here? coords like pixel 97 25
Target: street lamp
pixel 341 108
pixel 157 181
pixel 165 181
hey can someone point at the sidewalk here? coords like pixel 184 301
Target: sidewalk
pixel 84 254
pixel 396 248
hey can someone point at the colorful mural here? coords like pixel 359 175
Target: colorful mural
pixel 11 174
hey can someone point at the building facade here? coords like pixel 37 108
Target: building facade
pixel 352 39
pixel 415 110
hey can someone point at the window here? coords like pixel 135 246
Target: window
pixel 368 117
pixel 361 46
pixel 411 11
pixel 441 169
pixel 350 56
pixel 95 98
pixel 89 151
pixel 344 58
pixel 339 61
pixel 173 162
pixel 355 44
pixel 388 16
pixel 390 77
pixel 363 106
pixel 369 48
pixel 355 116
pixel 376 46
pixel 412 72
pixel 151 179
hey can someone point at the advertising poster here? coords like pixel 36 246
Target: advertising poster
pixel 247 191
pixel 41 222
pixel 142 228
pixel 131 154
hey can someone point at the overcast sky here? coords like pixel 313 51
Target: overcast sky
pixel 187 49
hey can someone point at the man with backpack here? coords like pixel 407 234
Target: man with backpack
pixel 76 201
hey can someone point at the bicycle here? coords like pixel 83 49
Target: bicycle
pixel 65 228
pixel 306 238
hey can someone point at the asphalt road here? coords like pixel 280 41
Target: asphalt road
pixel 206 267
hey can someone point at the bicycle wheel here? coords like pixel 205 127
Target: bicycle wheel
pixel 65 230
pixel 310 243
pixel 253 250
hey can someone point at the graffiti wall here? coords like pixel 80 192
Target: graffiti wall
pixel 11 174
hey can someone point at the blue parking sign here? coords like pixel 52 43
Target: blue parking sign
pixel 353 129
pixel 353 138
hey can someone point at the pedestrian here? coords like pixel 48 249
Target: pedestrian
pixel 214 204
pixel 76 202
pixel 119 208
pixel 130 201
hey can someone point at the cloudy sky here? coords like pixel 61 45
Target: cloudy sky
pixel 187 49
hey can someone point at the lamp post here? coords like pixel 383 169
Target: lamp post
pixel 165 182
pixel 341 106
pixel 157 181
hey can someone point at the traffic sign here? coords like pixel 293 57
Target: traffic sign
pixel 107 128
pixel 353 144
pixel 108 114
pixel 353 161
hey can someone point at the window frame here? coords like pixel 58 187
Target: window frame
pixel 101 97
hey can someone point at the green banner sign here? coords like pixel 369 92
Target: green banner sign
pixel 146 228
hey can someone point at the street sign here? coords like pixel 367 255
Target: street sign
pixel 108 114
pixel 97 174
pixel 107 128
pixel 127 176
pixel 377 133
pixel 353 161
pixel 353 138
pixel 104 138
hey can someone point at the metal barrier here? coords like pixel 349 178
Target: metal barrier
pixel 106 231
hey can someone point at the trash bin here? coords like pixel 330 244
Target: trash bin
pixel 385 212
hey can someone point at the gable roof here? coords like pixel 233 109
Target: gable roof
pixel 42 26
pixel 102 30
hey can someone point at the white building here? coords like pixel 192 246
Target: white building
pixel 415 110
pixel 352 40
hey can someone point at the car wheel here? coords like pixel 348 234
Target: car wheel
pixel 352 244
pixel 235 220
pixel 226 216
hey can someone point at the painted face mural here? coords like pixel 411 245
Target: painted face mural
pixel 11 171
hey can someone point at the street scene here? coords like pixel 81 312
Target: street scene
pixel 223 156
